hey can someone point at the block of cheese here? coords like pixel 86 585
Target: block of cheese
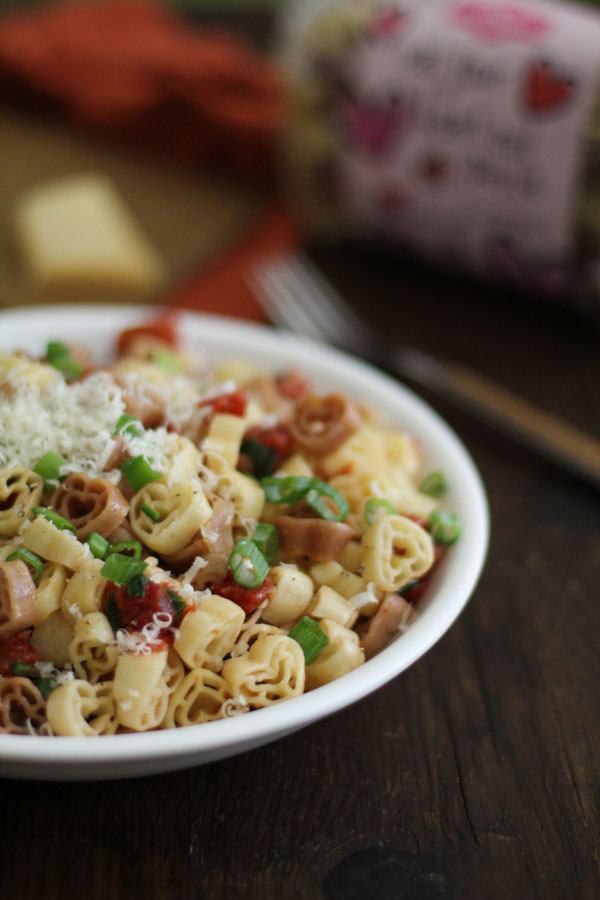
pixel 76 232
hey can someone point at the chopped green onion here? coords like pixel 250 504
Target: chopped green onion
pixel 138 472
pixel 150 512
pixel 58 521
pixel 24 670
pixel 48 466
pixel 31 559
pixel 112 613
pixel 56 349
pixel 375 505
pixel 137 586
pixel 97 544
pixel 293 488
pixel 266 538
pixel 315 498
pixel 434 484
pixel 179 604
pixel 123 546
pixel 121 569
pixel 444 527
pixel 311 638
pixel 59 356
pixel 289 489
pixel 46 686
pixel 263 457
pixel 127 425
pixel 247 563
pixel 167 361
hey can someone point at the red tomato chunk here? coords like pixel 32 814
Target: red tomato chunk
pixel 248 598
pixel 278 437
pixel 163 328
pixel 17 648
pixel 135 612
pixel 233 403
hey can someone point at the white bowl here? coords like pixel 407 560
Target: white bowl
pixel 130 755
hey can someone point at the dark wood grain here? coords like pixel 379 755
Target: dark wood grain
pixel 474 774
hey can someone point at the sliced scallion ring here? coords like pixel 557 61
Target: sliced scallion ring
pixel 138 472
pixel 248 565
pixel 289 489
pixel 316 499
pixel 57 520
pixel 125 546
pixel 127 425
pixel 266 538
pixel 121 569
pixel 444 527
pixel 434 485
pixel 33 561
pixel 150 512
pixel 375 506
pixel 48 466
pixel 311 638
pixel 97 544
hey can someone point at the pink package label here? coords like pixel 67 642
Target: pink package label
pixel 462 127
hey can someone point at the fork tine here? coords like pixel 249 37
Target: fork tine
pixel 300 298
pixel 324 302
pixel 281 303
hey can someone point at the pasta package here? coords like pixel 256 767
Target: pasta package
pixel 178 547
pixel 465 132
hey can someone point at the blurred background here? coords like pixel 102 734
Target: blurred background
pixel 156 151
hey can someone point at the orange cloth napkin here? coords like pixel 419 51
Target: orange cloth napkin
pixel 223 289
pixel 133 69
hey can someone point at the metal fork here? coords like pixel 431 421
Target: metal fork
pixel 296 296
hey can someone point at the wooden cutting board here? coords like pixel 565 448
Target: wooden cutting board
pixel 191 217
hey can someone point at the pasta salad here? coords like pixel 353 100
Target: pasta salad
pixel 182 543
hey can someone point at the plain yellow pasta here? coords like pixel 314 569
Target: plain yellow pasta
pixel 342 654
pixel 80 709
pixel 199 698
pixel 208 633
pixel 183 508
pixel 273 670
pixel 93 651
pixel 395 550
pixel 20 490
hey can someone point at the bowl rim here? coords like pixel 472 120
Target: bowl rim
pixel 451 589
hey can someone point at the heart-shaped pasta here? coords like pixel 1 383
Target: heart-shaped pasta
pixel 322 424
pixel 20 490
pixel 80 709
pixel 91 504
pixel 174 671
pixel 273 670
pixel 395 550
pixel 93 651
pixel 18 601
pixel 199 698
pixel 391 483
pixel 22 707
pixel 207 634
pixel 183 509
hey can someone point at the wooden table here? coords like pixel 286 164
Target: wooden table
pixel 472 776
